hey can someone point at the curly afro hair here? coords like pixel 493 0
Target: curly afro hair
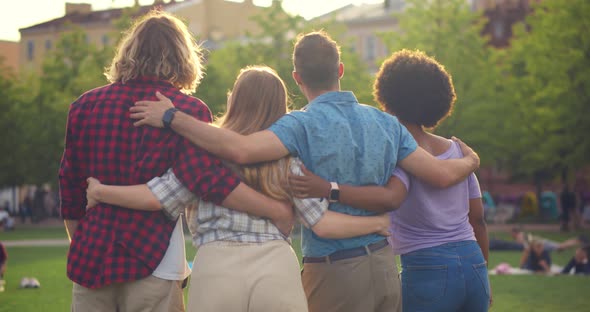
pixel 415 88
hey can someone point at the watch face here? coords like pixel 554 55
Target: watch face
pixel 334 195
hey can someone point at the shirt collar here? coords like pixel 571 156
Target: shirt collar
pixel 337 97
pixel 150 79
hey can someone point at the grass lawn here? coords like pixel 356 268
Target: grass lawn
pixel 34 233
pixel 511 293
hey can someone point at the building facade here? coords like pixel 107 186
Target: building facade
pixel 364 22
pixel 211 21
pixel 9 53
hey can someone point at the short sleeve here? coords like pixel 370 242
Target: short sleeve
pixel 473 183
pixel 290 131
pixel 403 176
pixel 407 144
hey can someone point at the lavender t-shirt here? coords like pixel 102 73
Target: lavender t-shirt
pixel 433 216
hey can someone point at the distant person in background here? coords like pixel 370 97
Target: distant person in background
pixel 38 210
pixel 3 260
pixel 6 221
pixel 568 207
pixel 25 208
pixel 579 262
pixel 535 258
pixel 581 190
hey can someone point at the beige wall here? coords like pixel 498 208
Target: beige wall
pixel 217 19
pixel 222 19
pixel 45 40
pixel 367 45
pixel 9 51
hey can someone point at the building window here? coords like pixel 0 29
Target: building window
pixel 105 40
pixel 47 45
pixel 30 50
pixel 370 48
pixel 498 30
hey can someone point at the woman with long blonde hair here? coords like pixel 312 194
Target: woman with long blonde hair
pixel 244 263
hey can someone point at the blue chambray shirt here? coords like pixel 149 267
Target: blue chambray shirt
pixel 350 143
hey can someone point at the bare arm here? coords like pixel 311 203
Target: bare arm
pixel 478 222
pixel 378 199
pixel 71 226
pixel 335 225
pixel 440 173
pixel 137 197
pixel 242 149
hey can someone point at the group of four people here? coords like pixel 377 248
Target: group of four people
pixel 341 165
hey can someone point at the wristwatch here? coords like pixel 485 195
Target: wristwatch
pixel 334 196
pixel 168 117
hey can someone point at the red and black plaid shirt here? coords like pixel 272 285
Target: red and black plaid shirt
pixel 114 244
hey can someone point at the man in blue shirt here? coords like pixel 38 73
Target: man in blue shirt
pixel 342 141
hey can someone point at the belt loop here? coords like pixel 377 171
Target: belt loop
pixel 328 261
pixel 367 249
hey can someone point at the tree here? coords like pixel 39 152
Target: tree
pixel 273 46
pixel 548 66
pixel 450 32
pixel 11 126
pixel 72 68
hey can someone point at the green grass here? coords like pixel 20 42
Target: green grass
pixel 48 265
pixel 511 293
pixel 34 233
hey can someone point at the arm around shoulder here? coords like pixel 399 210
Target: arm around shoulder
pixel 437 172
pixel 242 149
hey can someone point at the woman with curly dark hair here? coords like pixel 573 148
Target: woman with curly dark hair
pixel 436 231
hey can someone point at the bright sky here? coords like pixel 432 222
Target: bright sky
pixel 17 14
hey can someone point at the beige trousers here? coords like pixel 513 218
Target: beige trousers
pixel 246 277
pixel 150 294
pixel 361 284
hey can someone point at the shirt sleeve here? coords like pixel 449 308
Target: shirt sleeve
pixel 407 144
pixel 198 170
pixel 473 184
pixel 308 210
pixel 290 131
pixel 72 182
pixel 403 176
pixel 173 196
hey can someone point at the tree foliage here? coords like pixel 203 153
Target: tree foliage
pixel 450 31
pixel 548 89
pixel 273 46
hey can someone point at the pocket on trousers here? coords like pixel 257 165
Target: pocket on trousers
pixel 424 284
pixel 481 270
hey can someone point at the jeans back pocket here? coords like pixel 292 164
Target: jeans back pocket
pixel 424 284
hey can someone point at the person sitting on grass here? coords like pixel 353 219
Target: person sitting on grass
pixel 535 258
pixel 579 262
pixel 3 259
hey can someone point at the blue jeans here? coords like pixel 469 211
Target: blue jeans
pixel 449 277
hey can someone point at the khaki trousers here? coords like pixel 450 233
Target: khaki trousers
pixel 150 294
pixel 246 277
pixel 361 284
